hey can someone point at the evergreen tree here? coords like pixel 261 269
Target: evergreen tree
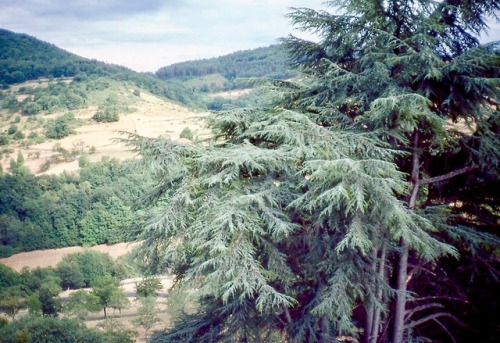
pixel 315 216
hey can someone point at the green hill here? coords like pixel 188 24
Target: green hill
pixel 25 58
pixel 221 73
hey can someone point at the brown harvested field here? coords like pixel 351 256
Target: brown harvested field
pixel 51 257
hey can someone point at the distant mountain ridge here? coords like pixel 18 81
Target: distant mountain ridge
pixel 24 58
pixel 268 61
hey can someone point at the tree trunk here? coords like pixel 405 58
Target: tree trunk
pixel 402 266
pixel 370 308
pixel 376 316
pixel 400 305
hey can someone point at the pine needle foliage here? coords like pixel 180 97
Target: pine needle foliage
pixel 320 215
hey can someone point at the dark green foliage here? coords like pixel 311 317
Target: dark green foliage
pixel 106 117
pixel 27 58
pixel 83 269
pixel 91 208
pixel 31 108
pixel 12 129
pixel 270 62
pixel 8 277
pixel 49 304
pixel 18 135
pixel 60 127
pixel 49 330
pixel 4 139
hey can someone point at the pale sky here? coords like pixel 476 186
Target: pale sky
pixel 145 35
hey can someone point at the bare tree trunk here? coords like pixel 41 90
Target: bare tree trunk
pixel 400 306
pixel 376 317
pixel 402 266
pixel 370 308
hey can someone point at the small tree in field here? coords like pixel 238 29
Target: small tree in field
pixel 149 287
pixel 147 316
pixel 107 291
pixel 80 303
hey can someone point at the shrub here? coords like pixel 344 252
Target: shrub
pixel 107 116
pixel 59 127
pixel 187 133
pixel 4 139
pixel 148 287
pixel 12 129
pixel 19 135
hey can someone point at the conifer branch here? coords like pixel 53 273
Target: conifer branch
pixel 411 312
pixel 447 176
pixel 433 317
pixel 446 330
pixel 442 297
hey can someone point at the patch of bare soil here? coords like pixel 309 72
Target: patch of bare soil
pixel 233 94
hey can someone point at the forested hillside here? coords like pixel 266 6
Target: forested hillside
pixel 95 206
pixel 26 58
pixel 269 62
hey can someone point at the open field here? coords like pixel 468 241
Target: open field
pixel 51 257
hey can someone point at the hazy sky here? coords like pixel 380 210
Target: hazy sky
pixel 145 35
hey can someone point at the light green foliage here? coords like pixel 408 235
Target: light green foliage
pixel 147 315
pixel 11 304
pixel 107 291
pixel 80 303
pixel 116 332
pixel 187 133
pixel 148 287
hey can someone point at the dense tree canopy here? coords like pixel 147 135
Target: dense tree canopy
pixel 270 61
pixel 93 207
pixel 347 206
